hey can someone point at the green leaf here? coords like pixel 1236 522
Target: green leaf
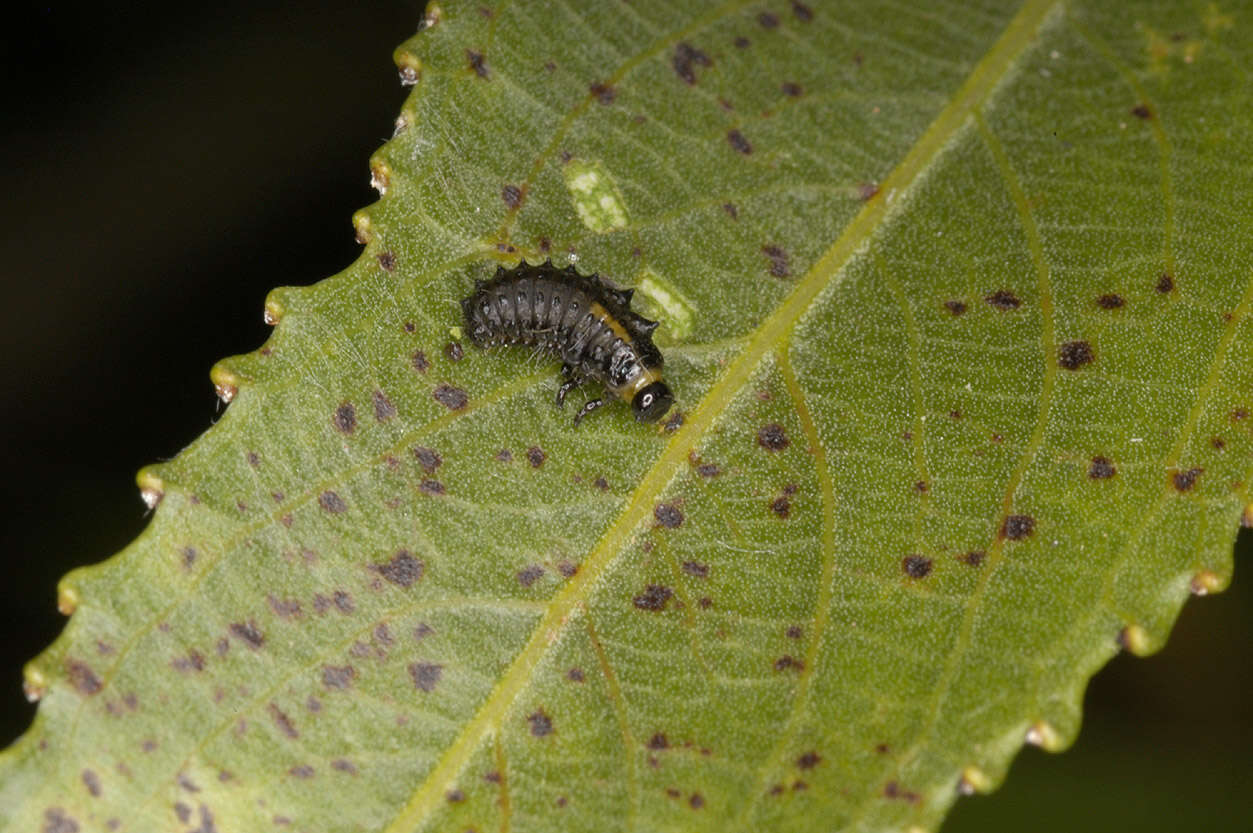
pixel 956 304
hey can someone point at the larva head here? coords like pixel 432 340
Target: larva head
pixel 652 402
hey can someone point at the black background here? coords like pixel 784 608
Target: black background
pixel 164 168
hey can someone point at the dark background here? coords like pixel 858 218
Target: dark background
pixel 164 168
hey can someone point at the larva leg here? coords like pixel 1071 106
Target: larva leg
pixel 571 382
pixel 587 409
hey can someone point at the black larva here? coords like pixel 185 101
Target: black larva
pixel 584 321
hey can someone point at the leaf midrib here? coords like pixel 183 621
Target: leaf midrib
pixel 774 331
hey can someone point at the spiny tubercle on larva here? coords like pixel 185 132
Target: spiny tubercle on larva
pixel 583 320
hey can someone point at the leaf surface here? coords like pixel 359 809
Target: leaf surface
pixel 956 303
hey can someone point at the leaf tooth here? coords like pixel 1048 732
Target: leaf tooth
pixel 363 225
pixel 226 382
pixel 151 486
pixel 1045 736
pixel 67 597
pixel 1208 581
pixel 1136 639
pixel 34 682
pixel 380 174
pixel 974 780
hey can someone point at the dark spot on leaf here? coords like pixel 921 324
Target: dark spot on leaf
pixel 792 89
pixel 777 261
pixel 182 811
pixel 1185 480
pixel 1101 468
pixel 194 661
pixel 541 723
pixel 428 459
pixel 567 569
pixel 916 566
pixel 696 801
pixel 342 765
pixel 338 676
pixel 92 782
pixel 708 470
pixel 282 721
pixel 1165 283
pixel 248 633
pixel 1239 415
pixel 284 608
pixel 454 399
pixel 1003 299
pixel 345 418
pixel 454 796
pixel 686 58
pixel 704 603
pixel 189 557
pixel 672 792
pixel 253 458
pixel 674 422
pixel 387 260
pixel 575 675
pixel 601 483
pixel 742 42
pixel 1073 355
pixel 1017 527
pixel 1142 111
pixel 332 502
pixel 426 675
pixel 668 515
pixel 809 760
pixel 404 569
pixel 603 92
pixel 422 631
pixel 512 195
pixel 771 437
pixel 785 663
pixel 803 13
pixel 894 790
pixel 206 821
pixel 794 632
pixel 301 771
pixel 739 142
pixel 419 362
pixel 781 506
pixel 530 574
pixel 1110 300
pixel 57 821
pixel 956 307
pixel 504 456
pixel 536 456
pixel 383 407
pixel 658 741
pixel 654 598
pixel 767 20
pixel 83 678
pixel 1217 443
pixel 731 210
pixel 974 558
pixel 695 568
pixel 867 191
pixel 882 748
pixel 343 601
pixel 431 487
pixel 410 327
pixel 921 487
pixel 477 63
pixel 492 777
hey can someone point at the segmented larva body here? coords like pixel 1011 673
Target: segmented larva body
pixel 584 321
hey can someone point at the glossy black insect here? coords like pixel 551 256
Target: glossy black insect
pixel 585 321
